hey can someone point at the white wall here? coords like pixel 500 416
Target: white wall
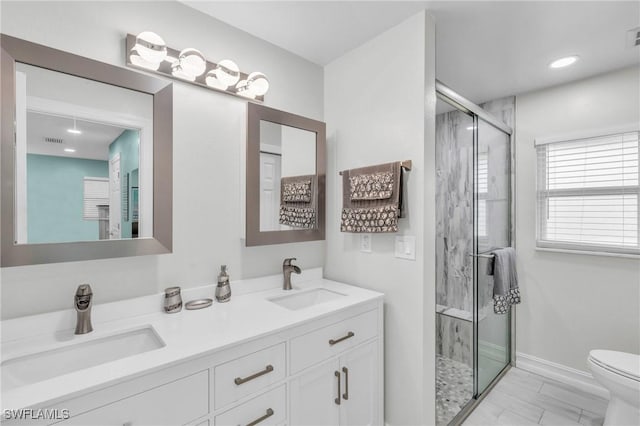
pixel 209 129
pixel 298 152
pixel 572 303
pixel 377 100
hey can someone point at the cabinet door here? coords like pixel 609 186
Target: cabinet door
pixel 313 396
pixel 360 386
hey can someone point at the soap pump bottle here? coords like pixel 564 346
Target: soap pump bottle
pixel 223 290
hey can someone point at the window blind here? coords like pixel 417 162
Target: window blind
pixel 483 191
pixel 96 192
pixel 588 194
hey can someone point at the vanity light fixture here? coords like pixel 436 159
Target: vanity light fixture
pixel 256 84
pixel 192 63
pixel 177 71
pixel 75 130
pixel 69 150
pixel 148 51
pixel 564 62
pixel 224 75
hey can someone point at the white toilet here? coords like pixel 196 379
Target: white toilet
pixel 619 373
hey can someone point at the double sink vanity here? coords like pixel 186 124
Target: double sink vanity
pixel 310 355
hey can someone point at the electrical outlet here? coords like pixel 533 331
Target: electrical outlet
pixel 365 243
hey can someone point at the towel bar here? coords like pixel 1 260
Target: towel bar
pixel 486 256
pixel 406 164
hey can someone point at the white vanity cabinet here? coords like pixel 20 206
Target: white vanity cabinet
pixel 174 403
pixel 345 390
pixel 325 369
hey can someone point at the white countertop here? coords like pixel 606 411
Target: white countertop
pixel 187 334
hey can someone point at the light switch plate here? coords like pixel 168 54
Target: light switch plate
pixel 365 243
pixel 405 247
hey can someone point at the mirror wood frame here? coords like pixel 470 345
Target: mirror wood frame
pixel 255 237
pixel 17 50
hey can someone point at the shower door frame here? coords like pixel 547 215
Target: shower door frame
pixel 446 94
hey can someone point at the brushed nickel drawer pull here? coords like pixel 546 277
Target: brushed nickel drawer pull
pixel 337 400
pixel 349 335
pixel 345 395
pixel 261 419
pixel 240 380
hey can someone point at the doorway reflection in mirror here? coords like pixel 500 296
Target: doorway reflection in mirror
pixel 287 168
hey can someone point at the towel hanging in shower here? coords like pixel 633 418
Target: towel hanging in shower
pixel 372 198
pixel 505 279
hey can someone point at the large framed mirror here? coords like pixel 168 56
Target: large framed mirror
pixel 86 156
pixel 286 173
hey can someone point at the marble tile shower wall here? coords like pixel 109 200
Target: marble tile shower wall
pixel 454 210
pixel 454 233
pixel 454 339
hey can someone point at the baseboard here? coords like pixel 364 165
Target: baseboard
pixel 492 351
pixel 561 373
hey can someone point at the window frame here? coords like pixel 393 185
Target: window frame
pixel 543 195
pixel 94 200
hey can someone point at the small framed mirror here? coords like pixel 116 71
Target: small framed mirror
pixel 285 177
pixel 86 158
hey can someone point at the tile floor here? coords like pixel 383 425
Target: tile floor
pixel 454 388
pixel 523 398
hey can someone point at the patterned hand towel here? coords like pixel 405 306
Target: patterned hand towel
pixel 298 201
pixel 505 279
pixel 372 199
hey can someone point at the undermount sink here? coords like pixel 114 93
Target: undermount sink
pixel 39 366
pixel 305 299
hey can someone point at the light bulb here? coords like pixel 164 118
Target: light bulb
pixel 177 71
pixel 225 74
pixel 192 62
pixel 213 81
pixel 258 83
pixel 243 89
pixel 139 61
pixel 150 47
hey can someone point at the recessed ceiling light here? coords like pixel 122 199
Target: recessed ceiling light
pixel 69 150
pixel 564 62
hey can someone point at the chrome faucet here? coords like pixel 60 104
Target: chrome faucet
pixel 287 269
pixel 82 303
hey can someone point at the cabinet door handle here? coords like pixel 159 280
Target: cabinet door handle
pixel 240 380
pixel 348 336
pixel 345 395
pixel 261 419
pixel 337 400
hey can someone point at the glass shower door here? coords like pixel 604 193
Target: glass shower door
pixel 454 270
pixel 492 230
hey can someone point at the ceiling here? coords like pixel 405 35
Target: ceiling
pixel 93 143
pixel 484 50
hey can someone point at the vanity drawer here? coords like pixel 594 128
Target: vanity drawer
pixel 243 376
pixel 175 403
pixel 266 409
pixel 321 344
